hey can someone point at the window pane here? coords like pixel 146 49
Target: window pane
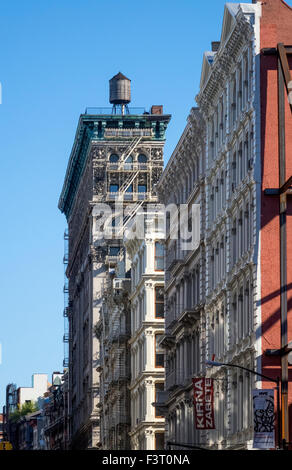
pixel 114 158
pixel 159 264
pixel 114 250
pixel 142 158
pixel 159 356
pixel 159 387
pixel 159 302
pixel 130 189
pixel 159 310
pixel 114 188
pixel 159 294
pixel 159 249
pixel 159 441
pixel 159 362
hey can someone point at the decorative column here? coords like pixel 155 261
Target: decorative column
pixel 149 390
pixel 150 350
pixel 149 315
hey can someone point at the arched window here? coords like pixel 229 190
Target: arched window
pixel 142 158
pixel 114 158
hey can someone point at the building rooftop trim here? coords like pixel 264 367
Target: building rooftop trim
pixel 125 117
pixel 233 13
pixel 85 133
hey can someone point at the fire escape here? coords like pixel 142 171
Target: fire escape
pixel 116 366
pixel 66 312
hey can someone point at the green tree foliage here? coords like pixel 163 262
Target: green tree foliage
pixel 25 409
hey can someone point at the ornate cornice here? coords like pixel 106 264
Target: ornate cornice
pixel 224 62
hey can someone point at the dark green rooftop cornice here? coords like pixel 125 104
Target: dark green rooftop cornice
pixel 92 127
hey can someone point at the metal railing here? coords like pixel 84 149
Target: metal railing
pixel 130 196
pixel 128 133
pixel 109 111
pixel 123 166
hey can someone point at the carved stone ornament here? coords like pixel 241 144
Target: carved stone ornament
pixel 157 154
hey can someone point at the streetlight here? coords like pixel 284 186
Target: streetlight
pixel 276 381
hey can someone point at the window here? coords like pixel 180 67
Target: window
pixel 246 153
pixel 240 163
pixel 142 188
pixel 159 257
pixel 142 158
pixel 115 221
pixel 159 441
pixel 212 267
pixel 234 405
pixel 159 352
pixel 159 387
pixel 159 302
pixel 234 251
pixel 212 146
pixel 240 90
pixel 234 320
pixel 114 250
pixel 246 81
pixel 114 188
pixel 240 315
pixel 128 163
pixel 233 167
pixel 233 104
pixel 129 192
pixel 247 310
pixel 114 158
pixel 212 204
pixel 240 235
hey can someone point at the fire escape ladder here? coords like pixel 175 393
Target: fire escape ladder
pixel 126 184
pixel 133 212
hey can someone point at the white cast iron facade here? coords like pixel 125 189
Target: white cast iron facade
pixel 228 101
pixel 212 294
pixel 147 328
pixel 183 183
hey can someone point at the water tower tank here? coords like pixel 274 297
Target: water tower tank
pixel 120 89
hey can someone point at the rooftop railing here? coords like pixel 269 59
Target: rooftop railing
pixel 109 111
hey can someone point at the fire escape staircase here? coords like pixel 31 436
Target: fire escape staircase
pixel 131 147
pixel 132 177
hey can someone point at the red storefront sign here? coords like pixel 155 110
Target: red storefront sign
pixel 204 403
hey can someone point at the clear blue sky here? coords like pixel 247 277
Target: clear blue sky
pixel 56 59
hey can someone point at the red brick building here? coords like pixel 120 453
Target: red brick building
pixel 276 27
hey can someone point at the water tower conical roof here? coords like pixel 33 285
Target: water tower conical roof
pixel 119 76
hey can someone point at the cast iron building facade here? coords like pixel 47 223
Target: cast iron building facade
pixel 147 328
pixel 183 182
pixel 117 156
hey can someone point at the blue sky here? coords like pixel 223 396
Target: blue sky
pixel 56 59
